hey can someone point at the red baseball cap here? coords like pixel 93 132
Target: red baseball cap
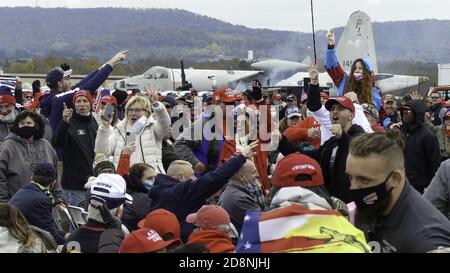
pixel 109 100
pixel 294 164
pixel 209 217
pixel 162 221
pixel 344 101
pixel 144 240
pixel 224 95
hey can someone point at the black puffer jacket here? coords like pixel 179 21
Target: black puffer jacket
pixel 422 155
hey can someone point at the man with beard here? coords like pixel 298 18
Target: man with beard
pixel 392 118
pixel 389 210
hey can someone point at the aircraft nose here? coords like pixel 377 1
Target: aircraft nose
pixel 423 79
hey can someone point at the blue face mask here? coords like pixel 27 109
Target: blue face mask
pixel 148 184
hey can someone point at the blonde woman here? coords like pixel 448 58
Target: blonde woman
pixel 145 125
pixel 16 235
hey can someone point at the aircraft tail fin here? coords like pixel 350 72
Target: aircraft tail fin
pixel 307 60
pixel 357 41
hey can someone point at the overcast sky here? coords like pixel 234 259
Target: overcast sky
pixel 274 14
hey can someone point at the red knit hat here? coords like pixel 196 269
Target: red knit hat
pixel 293 165
pixel 6 95
pixel 83 93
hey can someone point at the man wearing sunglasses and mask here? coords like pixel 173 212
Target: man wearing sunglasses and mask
pixel 389 210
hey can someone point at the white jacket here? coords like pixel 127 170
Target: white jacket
pixel 150 139
pixel 322 116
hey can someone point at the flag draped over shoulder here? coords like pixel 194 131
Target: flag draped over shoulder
pixel 296 229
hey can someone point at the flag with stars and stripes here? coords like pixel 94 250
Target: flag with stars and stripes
pixel 296 229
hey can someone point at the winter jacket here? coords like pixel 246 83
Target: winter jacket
pixel 183 198
pixel 443 139
pixel 88 236
pixel 340 77
pixel 236 200
pixel 322 115
pixel 299 132
pixel 16 158
pixel 133 213
pixel 35 205
pixel 201 150
pixel 77 140
pixel 422 155
pixel 438 192
pixel 168 153
pixel 110 241
pixel 52 103
pixel 150 138
pixel 435 118
pixel 216 241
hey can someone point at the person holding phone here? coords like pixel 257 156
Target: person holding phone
pixel 144 127
pixel 76 137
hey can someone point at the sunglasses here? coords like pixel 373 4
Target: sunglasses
pixel 28 97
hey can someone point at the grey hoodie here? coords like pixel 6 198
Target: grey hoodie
pixel 16 157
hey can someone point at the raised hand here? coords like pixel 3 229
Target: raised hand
pixel 246 150
pixel 151 94
pixel 313 73
pixel 118 58
pixel 65 67
pixel 256 93
pixel 415 95
pixel 67 113
pixel 331 37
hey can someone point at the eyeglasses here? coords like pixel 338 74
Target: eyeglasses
pixel 135 110
pixel 408 111
pixel 28 97
pixel 435 98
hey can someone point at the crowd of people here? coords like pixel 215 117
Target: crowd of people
pixel 226 172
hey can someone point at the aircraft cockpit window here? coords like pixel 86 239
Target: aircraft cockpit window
pixel 161 74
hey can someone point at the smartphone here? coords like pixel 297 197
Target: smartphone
pixel 109 110
pixel 130 138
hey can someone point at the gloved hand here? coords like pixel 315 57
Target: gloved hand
pixel 256 92
pixel 65 67
pixel 36 86
pixel 246 150
pixel 111 221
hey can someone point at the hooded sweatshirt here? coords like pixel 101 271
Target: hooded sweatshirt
pixel 216 241
pixel 16 158
pixel 422 154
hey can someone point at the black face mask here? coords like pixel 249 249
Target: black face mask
pixel 373 199
pixel 26 131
